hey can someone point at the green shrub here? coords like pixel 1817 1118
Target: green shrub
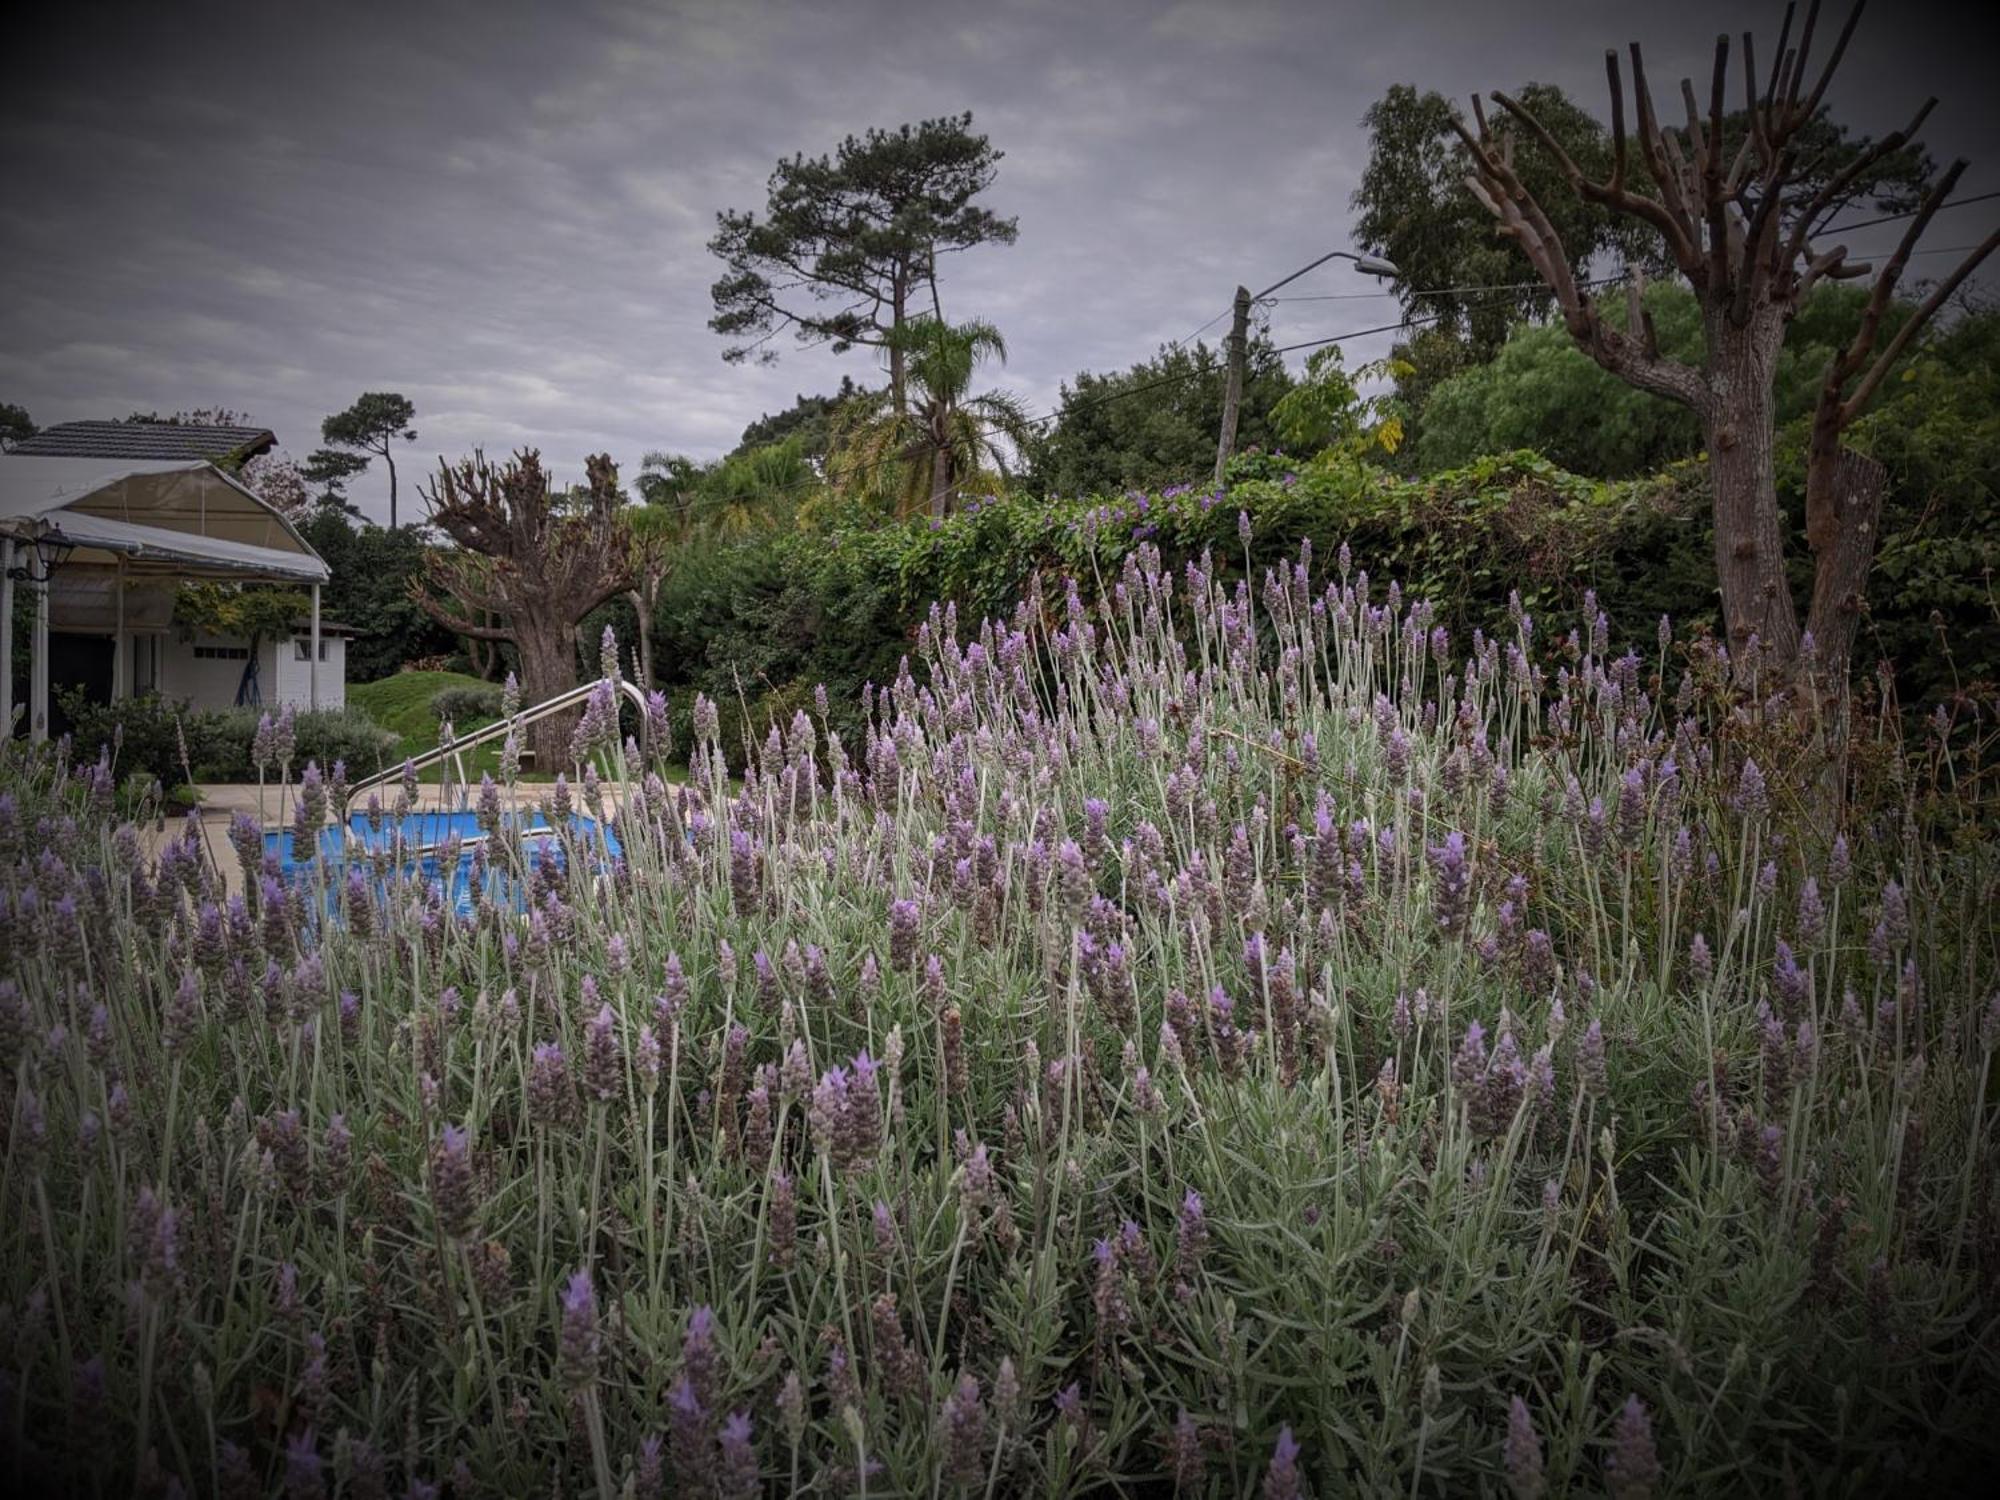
pixel 767 618
pixel 166 740
pixel 148 735
pixel 465 706
pixel 324 737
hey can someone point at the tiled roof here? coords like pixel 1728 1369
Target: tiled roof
pixel 144 440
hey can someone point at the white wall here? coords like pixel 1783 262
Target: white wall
pixel 208 681
pixel 294 676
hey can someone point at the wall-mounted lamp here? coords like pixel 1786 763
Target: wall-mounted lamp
pixel 49 550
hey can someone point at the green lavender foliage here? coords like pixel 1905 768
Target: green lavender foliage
pixel 1346 1034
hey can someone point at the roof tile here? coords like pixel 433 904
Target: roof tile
pixel 143 440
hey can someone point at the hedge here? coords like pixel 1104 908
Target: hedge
pixel 756 625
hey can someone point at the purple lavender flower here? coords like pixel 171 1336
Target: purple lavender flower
pixel 600 1055
pixel 1282 1480
pixel 1752 798
pixel 700 1363
pixel 578 1343
pixel 451 1181
pixel 305 1471
pixel 1522 1454
pixel 648 1468
pixel 962 1426
pixel 551 1097
pixel 737 1475
pixel 1451 893
pixel 904 920
pixel 1590 1060
pixel 1634 1464
pixel 1184 1452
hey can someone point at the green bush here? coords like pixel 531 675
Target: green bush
pixel 465 706
pixel 330 735
pixel 168 740
pixel 763 620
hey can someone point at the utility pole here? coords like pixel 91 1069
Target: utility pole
pixel 1239 341
pixel 1232 398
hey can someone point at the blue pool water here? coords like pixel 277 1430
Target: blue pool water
pixel 362 836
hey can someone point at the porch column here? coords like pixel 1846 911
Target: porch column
pixel 6 635
pixel 38 667
pixel 312 664
pixel 120 685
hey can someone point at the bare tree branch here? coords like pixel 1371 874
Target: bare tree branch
pixel 1926 310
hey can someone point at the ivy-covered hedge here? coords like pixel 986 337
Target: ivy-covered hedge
pixel 756 625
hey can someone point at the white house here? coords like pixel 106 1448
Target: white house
pixel 105 543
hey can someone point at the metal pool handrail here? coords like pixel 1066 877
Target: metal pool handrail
pixel 496 730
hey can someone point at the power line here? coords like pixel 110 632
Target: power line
pixel 1486 289
pixel 1177 343
pixel 1909 214
pixel 1430 291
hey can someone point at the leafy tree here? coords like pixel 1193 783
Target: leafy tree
pixel 278 482
pixel 751 490
pixel 372 426
pixel 536 560
pixel 372 573
pixel 1156 423
pixel 330 469
pixel 848 243
pixel 1738 228
pixel 1325 414
pixel 252 612
pixel 16 426
pixel 1415 210
pixel 1543 392
pixel 946 435
pixel 809 418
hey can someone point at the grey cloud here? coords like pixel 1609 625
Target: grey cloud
pixel 502 209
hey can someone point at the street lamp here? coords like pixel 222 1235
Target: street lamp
pixel 1373 265
pixel 1239 334
pixel 51 549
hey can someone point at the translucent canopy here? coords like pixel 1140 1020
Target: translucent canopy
pixel 177 517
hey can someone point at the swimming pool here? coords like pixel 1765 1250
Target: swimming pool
pixel 419 837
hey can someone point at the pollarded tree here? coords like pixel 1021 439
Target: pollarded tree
pixel 535 560
pixel 1735 224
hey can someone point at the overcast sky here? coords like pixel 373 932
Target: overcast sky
pixel 501 209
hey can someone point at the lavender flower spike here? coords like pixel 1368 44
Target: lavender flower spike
pixel 1281 1479
pixel 578 1344
pixel 1634 1464
pixel 1522 1454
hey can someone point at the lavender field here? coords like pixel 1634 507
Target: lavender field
pixel 1230 1040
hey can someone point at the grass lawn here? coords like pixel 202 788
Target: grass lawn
pixel 402 705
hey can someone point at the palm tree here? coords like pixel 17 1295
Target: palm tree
pixel 688 505
pixel 946 436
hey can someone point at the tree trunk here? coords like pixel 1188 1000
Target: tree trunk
pixel 548 667
pixel 642 606
pixel 899 298
pixel 941 479
pixel 390 460
pixel 1749 529
pixel 1843 508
